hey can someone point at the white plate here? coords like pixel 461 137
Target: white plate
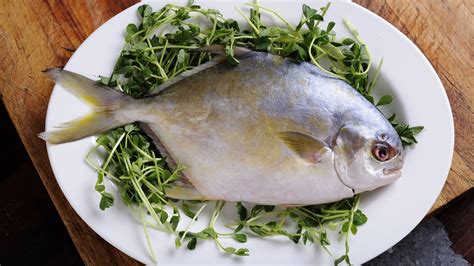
pixel 393 211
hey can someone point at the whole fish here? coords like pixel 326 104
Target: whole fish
pixel 270 130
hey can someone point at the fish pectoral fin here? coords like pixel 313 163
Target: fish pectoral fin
pixel 185 191
pixel 306 147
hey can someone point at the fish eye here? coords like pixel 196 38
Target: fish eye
pixel 381 152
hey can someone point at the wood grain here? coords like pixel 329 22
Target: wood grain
pixel 38 34
pixel 32 37
pixel 444 32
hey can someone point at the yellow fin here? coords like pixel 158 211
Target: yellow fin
pixel 306 147
pixel 180 190
pixel 106 103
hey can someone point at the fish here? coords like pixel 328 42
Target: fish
pixel 270 130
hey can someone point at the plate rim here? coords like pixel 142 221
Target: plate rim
pixel 420 54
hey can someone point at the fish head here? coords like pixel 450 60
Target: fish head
pixel 368 156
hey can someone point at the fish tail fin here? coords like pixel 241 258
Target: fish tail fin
pixel 105 101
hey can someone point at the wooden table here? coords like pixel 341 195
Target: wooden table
pixel 35 35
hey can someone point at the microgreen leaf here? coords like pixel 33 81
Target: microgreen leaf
pixel 144 10
pixel 239 228
pixel 104 80
pixel 242 252
pixel 263 44
pixel 106 201
pixel 242 211
pixel 229 249
pixel 186 209
pixel 131 29
pixel 174 222
pixel 163 216
pixel 323 238
pixel 354 229
pixel 181 56
pixel 333 51
pixel 99 187
pixel 192 243
pixel 345 227
pixel 347 41
pixel 330 26
pixel 242 238
pixel 308 12
pixel 386 99
pixel 359 218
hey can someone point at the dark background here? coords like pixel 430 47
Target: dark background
pixel 31 231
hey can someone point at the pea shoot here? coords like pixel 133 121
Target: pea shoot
pixel 151 56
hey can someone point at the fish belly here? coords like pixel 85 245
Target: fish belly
pixel 222 125
pixel 227 171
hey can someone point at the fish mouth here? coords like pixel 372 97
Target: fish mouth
pixel 392 172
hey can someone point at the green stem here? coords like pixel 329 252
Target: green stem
pixel 263 215
pixel 192 221
pixel 257 31
pixel 171 46
pixel 355 33
pixel 313 60
pixel 113 150
pixel 274 13
pixel 324 13
pixel 151 250
pixel 377 72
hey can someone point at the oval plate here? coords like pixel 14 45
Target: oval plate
pixel 393 211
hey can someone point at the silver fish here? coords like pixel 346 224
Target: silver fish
pixel 269 131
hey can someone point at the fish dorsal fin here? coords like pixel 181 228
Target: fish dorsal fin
pixel 239 51
pixel 306 147
pixel 186 74
pixel 219 50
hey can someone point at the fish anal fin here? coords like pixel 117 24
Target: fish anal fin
pixel 158 144
pixel 179 189
pixel 306 147
pixel 184 191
